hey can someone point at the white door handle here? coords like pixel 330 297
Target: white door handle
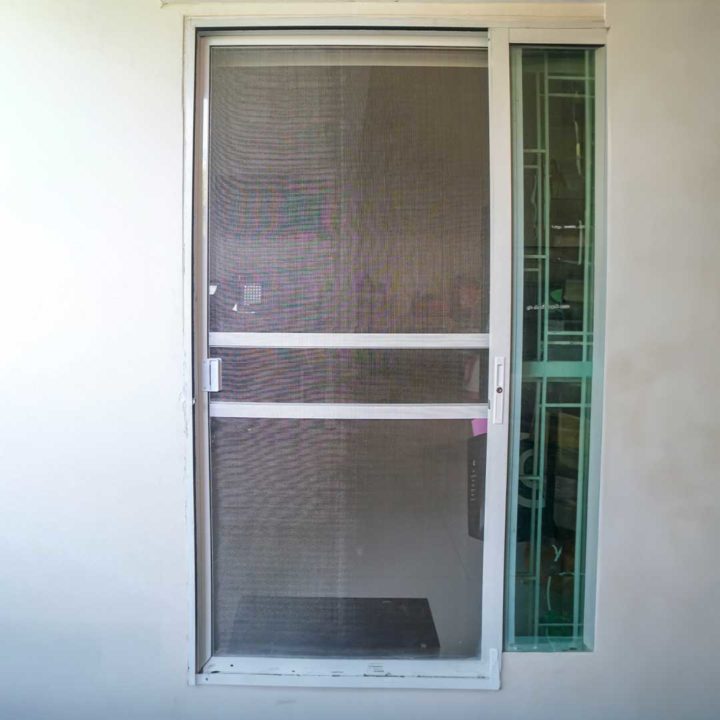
pixel 498 391
pixel 212 375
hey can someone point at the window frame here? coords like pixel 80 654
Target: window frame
pixel 481 673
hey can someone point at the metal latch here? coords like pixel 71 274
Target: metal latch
pixel 212 375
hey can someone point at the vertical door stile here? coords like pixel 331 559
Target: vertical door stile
pixel 500 305
pixel 203 543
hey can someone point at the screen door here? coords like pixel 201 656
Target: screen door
pixel 344 298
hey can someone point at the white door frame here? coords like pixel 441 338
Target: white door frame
pixel 485 671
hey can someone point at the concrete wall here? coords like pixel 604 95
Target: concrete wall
pixel 93 601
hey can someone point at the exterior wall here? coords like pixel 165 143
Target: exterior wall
pixel 93 596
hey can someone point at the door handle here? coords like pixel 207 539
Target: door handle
pixel 498 391
pixel 212 375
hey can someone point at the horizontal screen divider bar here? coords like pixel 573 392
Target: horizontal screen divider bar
pixel 448 341
pixel 352 38
pixel 348 411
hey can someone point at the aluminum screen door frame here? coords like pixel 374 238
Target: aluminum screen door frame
pixel 480 672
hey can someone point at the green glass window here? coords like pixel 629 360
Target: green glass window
pixel 553 105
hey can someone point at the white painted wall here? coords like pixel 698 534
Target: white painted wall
pixel 92 445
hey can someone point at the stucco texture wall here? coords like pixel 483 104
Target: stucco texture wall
pixel 93 556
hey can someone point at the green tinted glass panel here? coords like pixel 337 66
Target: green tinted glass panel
pixel 553 174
